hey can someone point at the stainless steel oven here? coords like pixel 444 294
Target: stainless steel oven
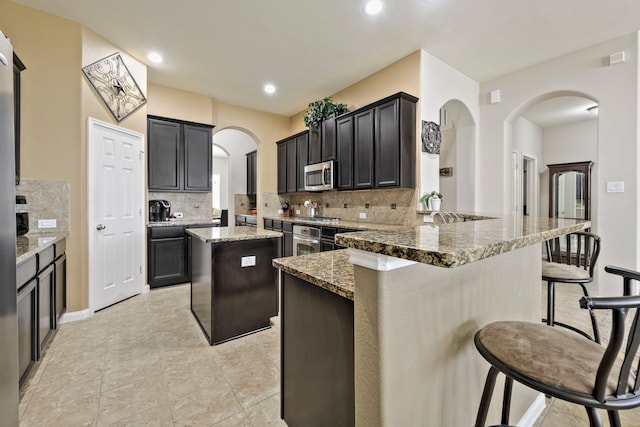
pixel 306 240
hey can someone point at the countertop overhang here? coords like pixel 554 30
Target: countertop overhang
pixel 460 243
pixel 31 243
pixel 183 222
pixel 231 234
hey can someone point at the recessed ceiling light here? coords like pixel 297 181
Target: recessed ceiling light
pixel 269 89
pixel 155 57
pixel 373 7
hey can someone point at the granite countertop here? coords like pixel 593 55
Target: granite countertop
pixel 460 243
pixel 338 224
pixel 231 234
pixel 31 243
pixel 329 270
pixel 183 222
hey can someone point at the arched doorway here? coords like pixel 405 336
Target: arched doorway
pixel 553 129
pixel 232 146
pixel 457 170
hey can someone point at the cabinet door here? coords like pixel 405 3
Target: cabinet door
pixel 251 173
pixel 60 288
pixel 282 168
pixel 292 162
pixel 363 149
pixel 168 261
pixel 344 146
pixel 45 307
pixel 288 243
pixel 315 144
pixel 302 151
pixel 388 145
pixel 165 157
pixel 27 328
pixel 328 137
pixel 197 158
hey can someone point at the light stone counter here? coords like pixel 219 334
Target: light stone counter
pixel 32 243
pixel 231 234
pixel 184 222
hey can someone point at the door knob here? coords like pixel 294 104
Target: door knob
pixel 100 227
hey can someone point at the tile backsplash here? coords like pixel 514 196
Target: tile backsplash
pixel 393 206
pixel 46 200
pixel 197 206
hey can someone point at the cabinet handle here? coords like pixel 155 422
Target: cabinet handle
pixel 100 227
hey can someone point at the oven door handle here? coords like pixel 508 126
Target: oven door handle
pixel 302 239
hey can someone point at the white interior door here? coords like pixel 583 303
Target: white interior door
pixel 116 222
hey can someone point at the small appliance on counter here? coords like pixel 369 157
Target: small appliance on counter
pixel 22 216
pixel 159 210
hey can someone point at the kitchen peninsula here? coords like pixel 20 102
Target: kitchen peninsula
pixel 234 287
pixel 419 296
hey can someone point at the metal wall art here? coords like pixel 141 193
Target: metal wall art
pixel 431 137
pixel 446 172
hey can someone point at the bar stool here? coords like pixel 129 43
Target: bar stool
pixel 566 365
pixel 573 263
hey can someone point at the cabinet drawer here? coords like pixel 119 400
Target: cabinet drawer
pixel 45 257
pixel 60 247
pixel 287 226
pixel 327 233
pixel 251 220
pixel 277 225
pixel 165 232
pixel 26 271
pixel 268 224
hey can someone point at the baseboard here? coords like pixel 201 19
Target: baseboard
pixel 535 410
pixel 74 316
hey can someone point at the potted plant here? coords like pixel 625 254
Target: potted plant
pixel 432 200
pixel 321 109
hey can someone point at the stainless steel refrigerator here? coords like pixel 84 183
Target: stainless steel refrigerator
pixel 9 398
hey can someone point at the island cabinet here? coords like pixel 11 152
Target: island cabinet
pixel 179 155
pixel 234 287
pixel 41 287
pixel 376 145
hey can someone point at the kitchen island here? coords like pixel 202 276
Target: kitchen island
pixel 420 294
pixel 234 287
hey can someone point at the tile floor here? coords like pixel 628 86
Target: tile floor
pixel 145 362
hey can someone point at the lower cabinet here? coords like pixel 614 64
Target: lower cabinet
pixel 27 328
pixel 41 301
pixel 167 256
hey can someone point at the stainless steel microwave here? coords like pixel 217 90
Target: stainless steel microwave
pixel 319 177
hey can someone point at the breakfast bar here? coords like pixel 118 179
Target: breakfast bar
pixel 419 296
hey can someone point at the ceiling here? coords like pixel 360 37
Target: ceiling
pixel 228 49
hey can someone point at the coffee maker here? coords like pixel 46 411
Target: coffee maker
pixel 22 216
pixel 159 210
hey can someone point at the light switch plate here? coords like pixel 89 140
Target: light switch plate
pixel 248 261
pixel 427 218
pixel 615 187
pixel 47 223
pixel 363 215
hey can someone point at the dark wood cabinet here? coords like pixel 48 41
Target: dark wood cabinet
pixel 328 139
pixel 292 165
pixel 251 172
pixel 179 155
pixel 46 314
pixel 27 328
pixel 363 146
pixel 317 363
pixel 315 144
pixel 395 143
pixel 282 168
pixel 18 67
pixel 167 256
pixel 344 146
pixel 197 158
pixel 41 283
pixel 382 152
pixel 302 159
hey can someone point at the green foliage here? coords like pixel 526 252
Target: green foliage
pixel 321 109
pixel 425 199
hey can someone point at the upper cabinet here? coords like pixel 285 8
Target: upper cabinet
pixel 18 67
pixel 322 141
pixel 179 155
pixel 570 190
pixel 251 172
pixel 293 155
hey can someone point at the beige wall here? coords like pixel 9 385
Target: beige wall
pixel 401 76
pixel 178 104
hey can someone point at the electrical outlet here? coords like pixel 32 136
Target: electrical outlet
pixel 297 211
pixel 363 215
pixel 248 261
pixel 427 218
pixel 47 223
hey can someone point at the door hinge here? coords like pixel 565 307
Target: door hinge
pixel 140 212
pixel 140 269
